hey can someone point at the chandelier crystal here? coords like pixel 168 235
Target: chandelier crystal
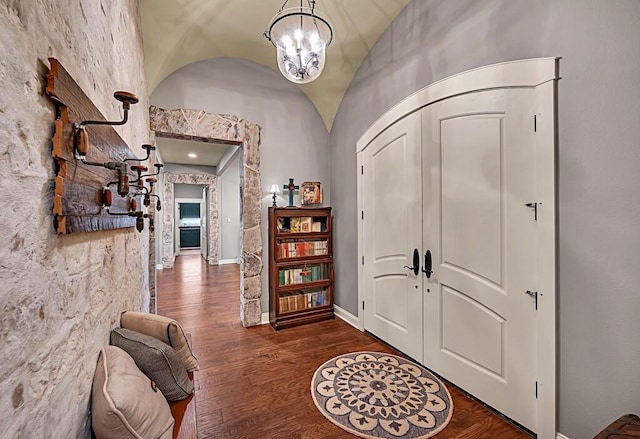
pixel 301 36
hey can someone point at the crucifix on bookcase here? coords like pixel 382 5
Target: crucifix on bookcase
pixel 291 188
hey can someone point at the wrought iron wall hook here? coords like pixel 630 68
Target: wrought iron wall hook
pixel 146 147
pixel 139 169
pixel 149 194
pixel 134 212
pixel 158 166
pixel 81 137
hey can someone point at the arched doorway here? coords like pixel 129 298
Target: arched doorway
pixel 222 128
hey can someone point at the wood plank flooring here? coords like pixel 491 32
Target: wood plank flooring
pixel 255 382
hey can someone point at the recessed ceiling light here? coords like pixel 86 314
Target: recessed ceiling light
pixel 192 155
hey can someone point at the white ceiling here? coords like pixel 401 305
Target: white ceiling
pixel 180 32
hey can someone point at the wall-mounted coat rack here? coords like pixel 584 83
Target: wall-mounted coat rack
pixel 92 160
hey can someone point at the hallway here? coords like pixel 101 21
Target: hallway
pixel 254 382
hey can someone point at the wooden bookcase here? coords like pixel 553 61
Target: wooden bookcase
pixel 300 266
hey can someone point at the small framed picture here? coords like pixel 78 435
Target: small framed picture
pixel 311 193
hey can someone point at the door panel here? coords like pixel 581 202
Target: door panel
pixel 390 308
pixel 392 207
pixel 478 171
pixel 471 195
pixel 479 342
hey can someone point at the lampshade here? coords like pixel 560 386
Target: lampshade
pixel 301 36
pixel 275 189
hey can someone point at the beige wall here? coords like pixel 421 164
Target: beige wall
pixel 60 295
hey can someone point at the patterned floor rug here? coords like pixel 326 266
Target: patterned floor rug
pixel 379 395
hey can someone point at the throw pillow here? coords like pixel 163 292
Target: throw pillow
pixel 157 360
pixel 125 402
pixel 162 328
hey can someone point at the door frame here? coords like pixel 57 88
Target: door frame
pixel 542 75
pixel 176 223
pixel 188 124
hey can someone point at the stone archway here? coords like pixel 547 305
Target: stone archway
pixel 221 128
pixel 168 218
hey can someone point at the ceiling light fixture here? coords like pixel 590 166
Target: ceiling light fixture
pixel 192 155
pixel 301 36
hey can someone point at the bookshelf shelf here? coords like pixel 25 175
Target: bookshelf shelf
pixel 300 266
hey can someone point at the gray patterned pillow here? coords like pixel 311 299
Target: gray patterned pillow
pixel 157 360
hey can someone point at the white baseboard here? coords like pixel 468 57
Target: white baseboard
pixel 346 316
pixel 159 266
pixel 227 261
pixel 264 318
pixel 561 436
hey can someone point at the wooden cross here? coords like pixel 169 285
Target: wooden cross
pixel 291 188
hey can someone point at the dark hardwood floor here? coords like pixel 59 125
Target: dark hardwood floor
pixel 255 382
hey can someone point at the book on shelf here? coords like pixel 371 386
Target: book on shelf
pixel 303 248
pixel 305 224
pixel 311 273
pixel 294 224
pixel 297 301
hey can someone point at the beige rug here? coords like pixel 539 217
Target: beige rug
pixel 379 395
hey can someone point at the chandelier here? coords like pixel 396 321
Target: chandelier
pixel 301 37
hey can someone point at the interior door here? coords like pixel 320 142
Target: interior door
pixel 479 175
pixel 391 217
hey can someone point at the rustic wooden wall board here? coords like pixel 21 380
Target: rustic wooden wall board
pixel 77 199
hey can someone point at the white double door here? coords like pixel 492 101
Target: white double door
pixel 454 179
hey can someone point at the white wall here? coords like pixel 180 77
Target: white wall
pixel 60 295
pixel 294 140
pixel 598 157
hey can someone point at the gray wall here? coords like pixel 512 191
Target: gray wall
pixel 294 140
pixel 229 202
pixel 181 190
pixel 598 157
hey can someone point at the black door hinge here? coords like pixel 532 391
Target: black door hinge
pixel 534 295
pixel 363 304
pixel 536 390
pixel 535 123
pixel 533 206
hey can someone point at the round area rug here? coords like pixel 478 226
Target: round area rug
pixel 379 395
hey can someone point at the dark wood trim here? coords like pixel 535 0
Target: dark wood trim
pixel 279 318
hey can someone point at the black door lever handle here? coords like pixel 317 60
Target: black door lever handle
pixel 427 264
pixel 416 262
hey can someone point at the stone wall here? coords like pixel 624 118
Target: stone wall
pixel 60 295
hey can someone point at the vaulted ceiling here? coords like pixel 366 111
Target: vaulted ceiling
pixel 180 32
